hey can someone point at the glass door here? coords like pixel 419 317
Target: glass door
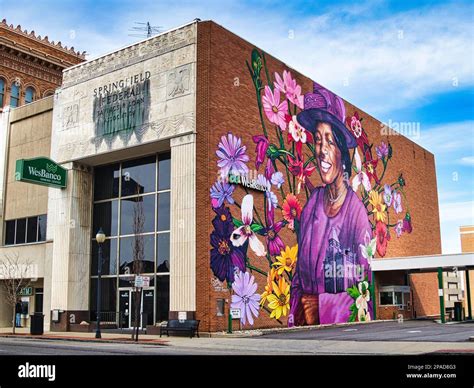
pixel 124 308
pixel 128 300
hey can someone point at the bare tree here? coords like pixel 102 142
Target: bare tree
pixel 15 274
pixel 138 254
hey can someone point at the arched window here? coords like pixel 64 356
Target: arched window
pixel 29 94
pixel 48 93
pixel 2 92
pixel 15 95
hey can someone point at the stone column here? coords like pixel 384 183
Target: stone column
pixel 69 225
pixel 183 226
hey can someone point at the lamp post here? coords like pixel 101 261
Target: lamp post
pixel 100 237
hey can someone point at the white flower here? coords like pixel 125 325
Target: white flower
pixel 362 302
pixel 360 177
pixel 242 233
pixel 368 250
pixel 277 179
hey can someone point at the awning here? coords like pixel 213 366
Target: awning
pixel 430 263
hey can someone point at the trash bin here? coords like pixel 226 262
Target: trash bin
pixel 458 311
pixel 36 323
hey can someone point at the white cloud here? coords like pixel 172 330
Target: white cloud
pixel 468 160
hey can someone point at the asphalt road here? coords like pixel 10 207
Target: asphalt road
pixel 418 331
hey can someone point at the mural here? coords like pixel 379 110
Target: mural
pixel 316 240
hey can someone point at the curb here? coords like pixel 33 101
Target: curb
pixel 102 340
pixel 263 332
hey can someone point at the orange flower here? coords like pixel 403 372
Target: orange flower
pixel 291 210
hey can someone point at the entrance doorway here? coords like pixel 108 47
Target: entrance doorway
pixel 127 300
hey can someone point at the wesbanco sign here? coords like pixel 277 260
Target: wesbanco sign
pixel 41 171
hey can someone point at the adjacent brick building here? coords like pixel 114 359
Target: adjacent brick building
pixel 30 65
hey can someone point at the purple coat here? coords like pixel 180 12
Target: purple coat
pixel 350 225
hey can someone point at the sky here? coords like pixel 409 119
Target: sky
pixel 400 61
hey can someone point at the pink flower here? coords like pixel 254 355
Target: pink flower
pixel 289 86
pixel 301 172
pixel 298 134
pixel 261 149
pixel 397 202
pixel 274 109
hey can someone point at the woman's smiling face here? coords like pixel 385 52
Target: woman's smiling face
pixel 328 154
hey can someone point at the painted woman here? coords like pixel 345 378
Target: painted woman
pixel 333 222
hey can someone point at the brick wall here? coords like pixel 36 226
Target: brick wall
pixel 226 102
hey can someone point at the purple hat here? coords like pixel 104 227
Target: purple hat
pixel 324 106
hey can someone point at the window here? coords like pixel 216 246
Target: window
pixel 26 230
pixel 29 95
pixel 386 298
pixel 118 189
pixel 15 95
pixel 392 297
pixel 2 92
pixel 452 286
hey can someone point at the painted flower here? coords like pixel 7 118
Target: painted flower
pixel 232 156
pixel 261 149
pixel 287 260
pixel 224 256
pixel 274 242
pixel 245 232
pixel 382 150
pixel 277 179
pixel 298 169
pixel 291 210
pixel 378 207
pixel 290 88
pixel 355 126
pixel 387 195
pixel 298 134
pixel 273 108
pixel 222 191
pixel 271 276
pixel 245 297
pixel 397 202
pixel 360 177
pixel 381 233
pixel 272 199
pixel 368 248
pixel 362 302
pixel 399 228
pixel 407 226
pixel 269 170
pixel 279 300
pixel 371 169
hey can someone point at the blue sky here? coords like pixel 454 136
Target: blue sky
pixel 400 61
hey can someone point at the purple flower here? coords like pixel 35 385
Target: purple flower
pixel 382 150
pixel 387 195
pixel 399 228
pixel 222 191
pixel 269 170
pixel 232 156
pixel 245 297
pixel 224 256
pixel 397 202
pixel 274 242
pixel 271 197
pixel 407 227
pixel 277 179
pixel 261 149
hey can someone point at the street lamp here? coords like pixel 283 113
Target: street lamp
pixel 100 237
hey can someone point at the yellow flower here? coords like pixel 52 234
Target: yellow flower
pixel 272 275
pixel 378 207
pixel 279 300
pixel 287 260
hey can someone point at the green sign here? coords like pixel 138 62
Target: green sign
pixel 41 171
pixel 26 291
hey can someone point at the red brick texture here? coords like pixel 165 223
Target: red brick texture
pixel 226 102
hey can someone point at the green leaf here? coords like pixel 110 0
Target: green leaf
pixel 353 316
pixel 237 222
pixel 256 228
pixel 353 292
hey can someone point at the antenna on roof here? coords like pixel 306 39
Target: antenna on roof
pixel 145 30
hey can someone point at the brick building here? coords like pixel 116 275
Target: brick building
pixel 30 66
pixel 467 246
pixel 262 191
